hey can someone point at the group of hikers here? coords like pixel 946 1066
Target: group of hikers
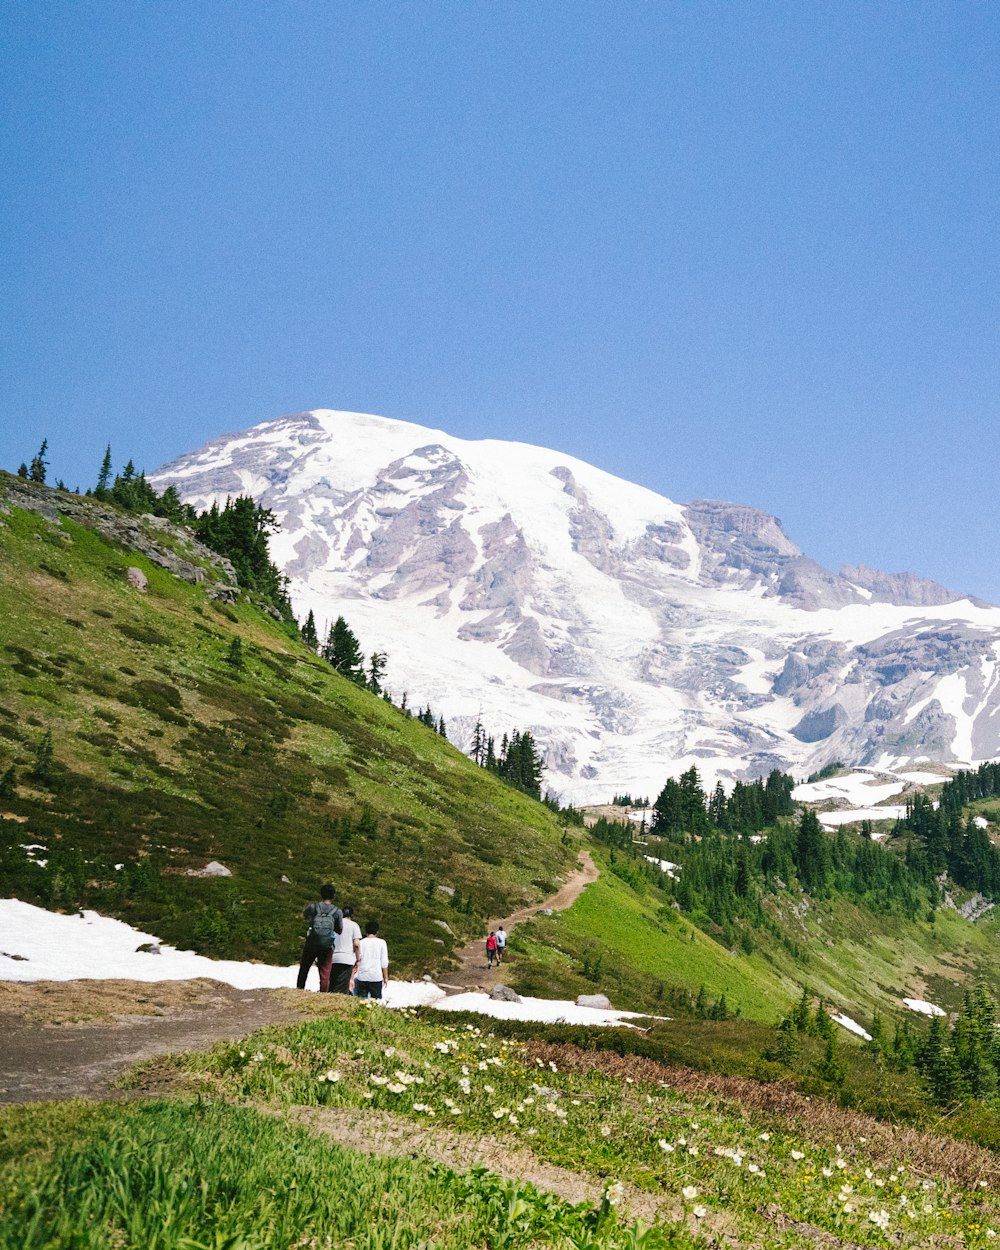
pixel 347 962
pixel 496 946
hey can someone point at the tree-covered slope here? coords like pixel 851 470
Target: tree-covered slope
pixel 137 745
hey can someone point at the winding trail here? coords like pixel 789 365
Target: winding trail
pixel 472 974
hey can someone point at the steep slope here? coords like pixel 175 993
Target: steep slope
pixel 166 757
pixel 632 635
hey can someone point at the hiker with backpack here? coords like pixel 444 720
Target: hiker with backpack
pixel 326 920
pixel 501 937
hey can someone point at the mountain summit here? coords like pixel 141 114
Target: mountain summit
pixel 632 635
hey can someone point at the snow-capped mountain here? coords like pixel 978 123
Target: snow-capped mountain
pixel 631 634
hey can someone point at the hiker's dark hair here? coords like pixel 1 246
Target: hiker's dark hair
pixel 371 926
pixel 348 911
pixel 327 891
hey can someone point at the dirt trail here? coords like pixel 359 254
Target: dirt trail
pixel 472 974
pixel 74 1039
pixel 40 1061
pixel 382 1133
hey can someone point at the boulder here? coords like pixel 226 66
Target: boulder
pixel 148 948
pixel 443 924
pixel 136 578
pixel 214 869
pixel 504 994
pixel 600 1001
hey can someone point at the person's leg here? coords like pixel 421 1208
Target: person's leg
pixel 340 978
pixel 324 961
pixel 305 963
pixel 368 989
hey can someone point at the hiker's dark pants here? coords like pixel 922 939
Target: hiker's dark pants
pixel 322 957
pixel 368 989
pixel 340 978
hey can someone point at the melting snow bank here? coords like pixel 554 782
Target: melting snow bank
pixel 40 945
pixel 851 1025
pixel 925 1009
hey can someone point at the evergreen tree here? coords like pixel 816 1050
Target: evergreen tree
pixel 309 635
pixel 36 472
pixel 342 651
pixel 104 476
pixel 812 853
pixel 43 769
pixel 22 470
pixel 234 656
pixel 786 1049
pixel 829 1067
pixel 8 784
pixel 441 728
pixel 376 671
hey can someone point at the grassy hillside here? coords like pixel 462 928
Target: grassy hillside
pixel 624 934
pixel 166 757
pixel 292 1132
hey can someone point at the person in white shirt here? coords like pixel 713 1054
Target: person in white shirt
pixel 345 954
pixel 501 937
pixel 372 973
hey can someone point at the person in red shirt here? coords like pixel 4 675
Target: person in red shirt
pixel 491 949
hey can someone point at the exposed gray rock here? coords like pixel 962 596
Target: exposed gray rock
pixel 443 924
pixel 136 578
pixel 820 723
pixel 599 1001
pixel 214 869
pixel 504 994
pixel 148 948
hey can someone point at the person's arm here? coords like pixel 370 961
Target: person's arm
pixel 385 964
pixel 309 911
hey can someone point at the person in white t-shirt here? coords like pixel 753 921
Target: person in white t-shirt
pixel 372 974
pixel 501 937
pixel 345 954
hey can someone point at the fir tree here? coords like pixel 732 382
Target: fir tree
pixel 22 470
pixel 376 671
pixel 8 784
pixel 342 652
pixel 234 656
pixel 104 476
pixel 43 769
pixel 309 635
pixel 36 472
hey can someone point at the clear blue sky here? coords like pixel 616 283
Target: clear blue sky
pixel 739 250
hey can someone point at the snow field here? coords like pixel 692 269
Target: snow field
pixel 39 945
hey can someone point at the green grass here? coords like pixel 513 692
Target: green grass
pixel 165 759
pixel 736 1160
pixel 634 944
pixel 194 1176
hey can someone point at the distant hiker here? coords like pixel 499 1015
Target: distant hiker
pixel 345 954
pixel 325 921
pixel 501 937
pixel 372 973
pixel 491 949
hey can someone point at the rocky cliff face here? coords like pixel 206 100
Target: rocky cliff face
pixel 632 635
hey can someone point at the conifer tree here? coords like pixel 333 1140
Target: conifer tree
pixel 22 470
pixel 234 656
pixel 36 472
pixel 342 652
pixel 104 476
pixel 309 635
pixel 8 784
pixel 376 671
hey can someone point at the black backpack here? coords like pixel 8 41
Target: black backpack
pixel 327 921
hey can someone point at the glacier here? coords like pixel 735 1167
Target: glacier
pixel 632 635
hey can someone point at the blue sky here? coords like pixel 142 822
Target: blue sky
pixel 743 251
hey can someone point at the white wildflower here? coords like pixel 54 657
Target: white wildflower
pixel 690 1192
